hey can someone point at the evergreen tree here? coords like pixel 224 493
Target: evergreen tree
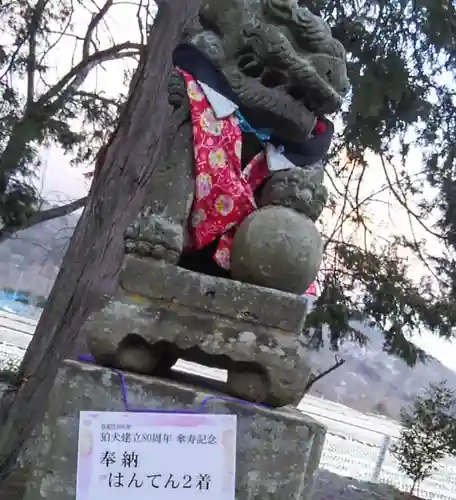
pixel 402 57
pixel 427 433
pixel 93 261
pixel 395 150
pixel 42 105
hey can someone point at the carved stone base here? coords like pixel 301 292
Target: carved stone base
pixel 278 451
pixel 163 313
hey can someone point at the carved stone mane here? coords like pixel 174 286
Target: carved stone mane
pixel 280 59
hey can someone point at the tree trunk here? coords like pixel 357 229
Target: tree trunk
pixel 91 266
pixel 22 133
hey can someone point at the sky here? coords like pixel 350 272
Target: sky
pixel 59 182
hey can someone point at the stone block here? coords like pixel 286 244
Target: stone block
pixel 239 301
pixel 162 313
pixel 278 450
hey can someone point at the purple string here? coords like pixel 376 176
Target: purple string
pixel 201 409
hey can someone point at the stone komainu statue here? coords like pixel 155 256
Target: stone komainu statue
pixel 236 197
pixel 257 82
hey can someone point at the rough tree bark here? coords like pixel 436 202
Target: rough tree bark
pixel 90 269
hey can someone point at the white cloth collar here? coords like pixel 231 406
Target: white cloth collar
pixel 223 107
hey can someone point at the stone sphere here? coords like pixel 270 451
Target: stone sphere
pixel 276 247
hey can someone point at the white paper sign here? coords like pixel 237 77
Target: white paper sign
pixel 138 456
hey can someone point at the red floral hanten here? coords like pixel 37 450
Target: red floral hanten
pixel 224 192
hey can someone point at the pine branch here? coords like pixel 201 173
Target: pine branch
pixel 43 216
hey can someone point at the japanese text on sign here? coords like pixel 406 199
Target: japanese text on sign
pixel 184 456
pixel 156 437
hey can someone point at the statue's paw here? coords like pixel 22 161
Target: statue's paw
pixel 295 189
pixel 177 89
pixel 145 249
pixel 310 200
pixel 154 236
pixel 161 251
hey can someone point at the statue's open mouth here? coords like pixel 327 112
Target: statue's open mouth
pixel 271 78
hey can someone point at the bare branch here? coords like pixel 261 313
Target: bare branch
pixel 96 19
pixel 19 43
pixel 403 202
pixel 315 378
pixel 140 23
pixel 109 101
pixel 63 33
pixel 76 76
pixel 43 216
pixel 106 26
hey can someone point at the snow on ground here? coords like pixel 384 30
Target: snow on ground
pixel 353 442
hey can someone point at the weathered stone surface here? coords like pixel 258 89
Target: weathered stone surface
pixel 264 364
pixel 277 247
pixel 240 301
pixel 294 71
pixel 301 189
pixel 3 388
pixel 162 313
pixel 159 230
pixel 278 450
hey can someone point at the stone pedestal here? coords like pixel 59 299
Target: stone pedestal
pixel 162 313
pixel 278 450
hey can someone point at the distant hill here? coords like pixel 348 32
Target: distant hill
pixel 369 381
pixel 31 259
pixel 373 381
